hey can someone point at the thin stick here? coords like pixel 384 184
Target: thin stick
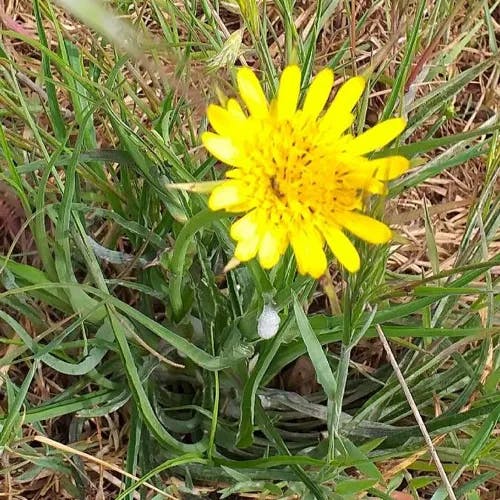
pixel 73 451
pixel 414 409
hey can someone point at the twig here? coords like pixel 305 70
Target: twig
pixel 107 465
pixel 415 411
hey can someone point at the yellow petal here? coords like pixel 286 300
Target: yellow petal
pixel 366 228
pixel 227 195
pixel 271 247
pixel 251 92
pixel 233 106
pixel 375 186
pixel 318 93
pixel 342 247
pixel 247 249
pixel 390 167
pixel 363 179
pixel 222 148
pixel 307 246
pixel 224 122
pixel 245 206
pixel 376 137
pixel 273 108
pixel 335 124
pixel 246 227
pixel 234 173
pixel 288 92
pixel 347 96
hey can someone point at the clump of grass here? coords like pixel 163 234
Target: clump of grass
pixel 130 362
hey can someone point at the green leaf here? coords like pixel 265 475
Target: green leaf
pixel 428 104
pixel 363 463
pixel 417 148
pixel 423 481
pixel 53 104
pixel 474 483
pixel 187 458
pixel 140 395
pixel 247 407
pixel 350 486
pixel 405 66
pixel 64 405
pixel 177 263
pixel 14 419
pixel 315 350
pixel 477 443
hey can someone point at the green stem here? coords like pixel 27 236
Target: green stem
pixel 335 412
pixel 215 417
pixel 199 221
pixel 215 413
pixel 342 370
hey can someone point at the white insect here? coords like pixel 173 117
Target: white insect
pixel 268 323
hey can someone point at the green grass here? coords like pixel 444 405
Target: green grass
pixel 125 275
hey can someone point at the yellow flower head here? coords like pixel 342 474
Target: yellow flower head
pixel 297 173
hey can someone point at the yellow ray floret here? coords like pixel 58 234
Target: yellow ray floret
pixel 298 178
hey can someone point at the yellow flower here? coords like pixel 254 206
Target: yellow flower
pixel 300 178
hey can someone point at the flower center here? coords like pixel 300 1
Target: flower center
pixel 296 168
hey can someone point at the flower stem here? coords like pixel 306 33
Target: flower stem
pixel 335 412
pixel 197 222
pixel 335 406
